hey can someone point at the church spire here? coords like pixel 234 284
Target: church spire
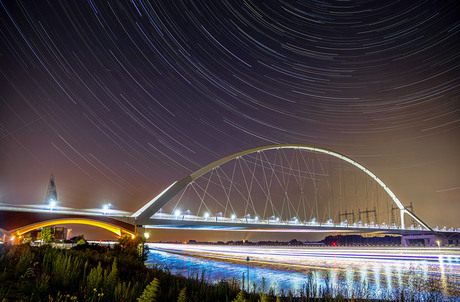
pixel 51 194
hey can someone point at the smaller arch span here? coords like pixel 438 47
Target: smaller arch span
pixel 19 222
pixel 104 225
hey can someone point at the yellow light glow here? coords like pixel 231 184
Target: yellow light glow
pixel 99 224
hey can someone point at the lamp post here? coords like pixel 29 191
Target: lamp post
pixel 52 204
pixel 177 214
pixel 247 266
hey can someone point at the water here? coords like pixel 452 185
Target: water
pixel 286 270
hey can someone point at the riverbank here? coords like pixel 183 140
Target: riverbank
pixel 117 273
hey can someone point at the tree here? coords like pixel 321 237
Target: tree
pixel 150 293
pixel 47 234
pixel 240 297
pixel 81 240
pixel 182 295
pixel 132 246
pixel 27 238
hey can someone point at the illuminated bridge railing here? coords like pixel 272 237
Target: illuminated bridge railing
pixel 277 222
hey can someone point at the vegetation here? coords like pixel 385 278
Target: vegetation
pixel 97 273
pixel 47 234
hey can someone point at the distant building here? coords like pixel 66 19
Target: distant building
pixel 59 234
pixel 51 193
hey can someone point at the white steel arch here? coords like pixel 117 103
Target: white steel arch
pixel 144 213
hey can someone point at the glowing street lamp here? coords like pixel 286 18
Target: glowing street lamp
pixel 52 204
pixel 248 217
pixel 177 213
pixel 233 216
pixel 106 208
pixel 206 215
pixel 146 235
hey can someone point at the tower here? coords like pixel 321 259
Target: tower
pixel 51 194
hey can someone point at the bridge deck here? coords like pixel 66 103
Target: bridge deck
pixel 277 227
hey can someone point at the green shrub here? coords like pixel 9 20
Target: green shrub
pixel 25 261
pixel 150 293
pixel 182 295
pixel 94 280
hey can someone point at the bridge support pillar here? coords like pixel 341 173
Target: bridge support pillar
pixel 140 230
pixel 11 239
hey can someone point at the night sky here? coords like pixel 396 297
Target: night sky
pixel 120 99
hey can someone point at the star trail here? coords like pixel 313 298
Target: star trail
pixel 120 99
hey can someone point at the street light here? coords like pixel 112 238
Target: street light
pixel 52 204
pixel 177 213
pixel 206 215
pixel 233 216
pixel 146 235
pixel 105 209
pixel 247 266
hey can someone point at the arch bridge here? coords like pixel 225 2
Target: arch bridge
pixel 15 222
pixel 303 180
pixel 272 188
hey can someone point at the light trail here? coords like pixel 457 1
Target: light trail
pixel 300 254
pixel 387 270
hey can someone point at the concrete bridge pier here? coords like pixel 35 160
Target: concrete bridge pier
pixel 140 230
pixel 11 239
